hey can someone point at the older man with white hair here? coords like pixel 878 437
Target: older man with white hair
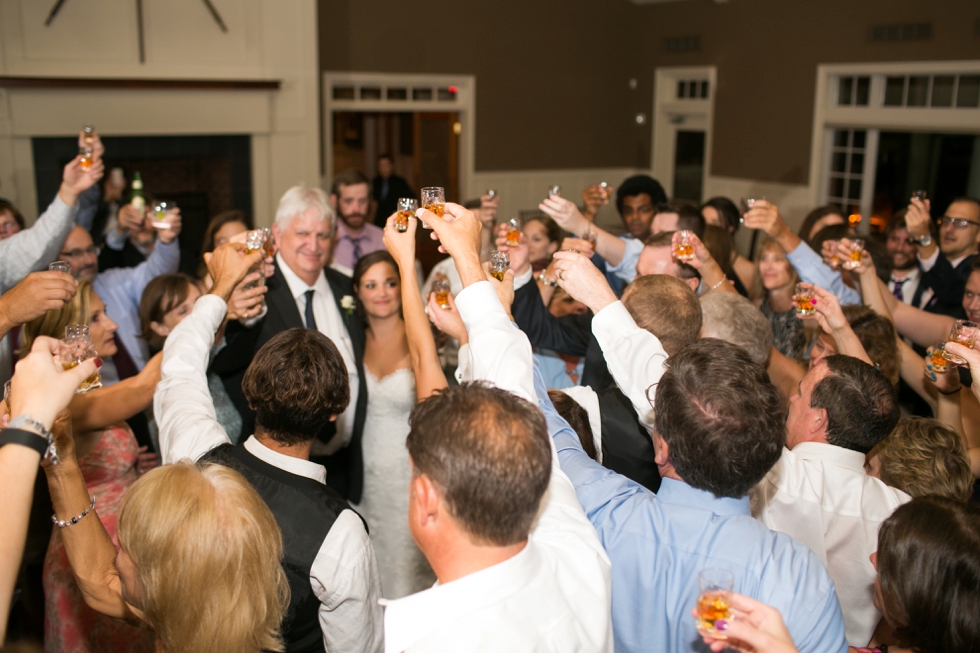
pixel 304 292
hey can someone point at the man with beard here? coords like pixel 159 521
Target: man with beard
pixel 906 278
pixel 350 196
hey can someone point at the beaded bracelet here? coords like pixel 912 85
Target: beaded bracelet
pixel 74 520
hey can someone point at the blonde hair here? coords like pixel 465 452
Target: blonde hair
pixel 53 323
pixel 924 456
pixel 759 292
pixel 208 556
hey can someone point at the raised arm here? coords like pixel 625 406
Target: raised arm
pixel 831 319
pixel 634 355
pixel 120 401
pixel 429 376
pixel 569 218
pixel 182 404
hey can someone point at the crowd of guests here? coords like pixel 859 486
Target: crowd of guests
pixel 306 448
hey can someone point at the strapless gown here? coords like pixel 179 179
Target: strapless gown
pixel 384 502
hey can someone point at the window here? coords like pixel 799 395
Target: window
pixel 847 169
pixel 682 44
pixel 935 91
pixel 692 89
pixel 907 32
pixel 853 91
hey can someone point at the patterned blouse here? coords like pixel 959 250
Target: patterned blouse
pixel 788 334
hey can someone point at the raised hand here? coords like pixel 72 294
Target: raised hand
pixel 228 265
pixel 917 218
pixel 565 213
pixel 948 381
pixel 582 280
pixel 580 245
pixel 35 295
pixel 401 245
pixel 972 358
pixel 248 298
pixel 765 216
pixel 447 320
pixel 756 628
pixel 844 248
pixel 40 386
pixel 827 311
pixel 519 257
pixel 458 235
pixel 702 256
pixel 593 198
pixel 170 234
pixel 76 179
pixel 129 218
pixel 98 149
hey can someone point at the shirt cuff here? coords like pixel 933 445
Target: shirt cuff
pixel 927 263
pixel 523 280
pixel 115 240
pixel 613 322
pixel 212 308
pixel 477 301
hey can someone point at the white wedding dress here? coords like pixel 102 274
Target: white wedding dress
pixel 384 501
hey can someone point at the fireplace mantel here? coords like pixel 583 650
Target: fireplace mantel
pixel 7 81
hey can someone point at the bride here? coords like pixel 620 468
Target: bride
pixel 398 373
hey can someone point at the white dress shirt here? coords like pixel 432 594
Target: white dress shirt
pixel 910 284
pixel 552 596
pixel 820 495
pixel 330 323
pixel 344 575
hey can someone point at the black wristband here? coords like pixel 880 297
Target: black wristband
pixel 951 392
pixel 24 438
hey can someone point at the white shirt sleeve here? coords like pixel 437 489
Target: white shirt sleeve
pixel 635 357
pixel 182 403
pixel 345 579
pixel 927 263
pixel 499 352
pixel 523 280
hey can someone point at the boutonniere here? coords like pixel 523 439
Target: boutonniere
pixel 347 303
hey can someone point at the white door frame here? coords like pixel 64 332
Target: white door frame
pixel 668 109
pixel 463 104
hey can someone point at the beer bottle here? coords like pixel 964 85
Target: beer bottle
pixel 138 200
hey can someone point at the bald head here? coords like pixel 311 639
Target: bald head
pixel 733 318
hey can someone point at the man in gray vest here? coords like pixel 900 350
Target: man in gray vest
pixel 297 383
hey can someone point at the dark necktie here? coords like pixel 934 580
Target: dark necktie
pixel 310 320
pixel 124 362
pixel 897 288
pixel 357 254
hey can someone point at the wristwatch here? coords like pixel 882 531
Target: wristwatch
pixel 923 241
pixel 546 280
pixel 38 437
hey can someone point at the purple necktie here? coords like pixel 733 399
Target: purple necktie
pixel 897 288
pixel 357 254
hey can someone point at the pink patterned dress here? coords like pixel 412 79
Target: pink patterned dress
pixel 70 626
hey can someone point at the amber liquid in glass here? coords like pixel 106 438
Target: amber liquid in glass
pixel 498 274
pixel 251 250
pixel 855 256
pixel 834 262
pixel 438 209
pixel 938 361
pixel 513 237
pixel 85 162
pixel 685 252
pixel 91 383
pixel 442 298
pixel 804 305
pixel 712 607
pixel 401 220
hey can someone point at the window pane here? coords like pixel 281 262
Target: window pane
pixel 836 187
pixel 681 87
pixel 918 91
pixel 370 93
pixel 859 138
pixel 343 92
pixel 839 162
pixel 446 94
pixel 969 93
pixel 942 90
pixel 704 89
pixel 692 89
pixel 894 91
pixel 863 92
pixel 844 96
pixel 854 190
pixel 857 164
pixel 840 137
pixel 397 93
pixel 421 93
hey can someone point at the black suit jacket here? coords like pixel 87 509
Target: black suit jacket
pixel 345 468
pixel 397 187
pixel 627 448
pixel 571 334
pixel 948 285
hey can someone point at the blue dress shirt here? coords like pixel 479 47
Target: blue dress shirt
pixel 659 542
pixel 811 268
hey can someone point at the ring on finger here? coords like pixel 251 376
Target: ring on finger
pixel 560 273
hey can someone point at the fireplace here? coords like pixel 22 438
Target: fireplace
pixel 204 175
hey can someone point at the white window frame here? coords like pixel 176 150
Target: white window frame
pixel 876 118
pixel 464 104
pixel 667 108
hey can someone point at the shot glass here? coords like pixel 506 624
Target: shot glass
pixel 88 134
pixel 606 191
pixel 441 288
pixel 716 586
pixel 499 262
pixel 746 205
pixel 514 232
pixel 804 301
pixel 85 157
pixel 407 206
pixel 491 193
pixel 834 258
pixel 963 332
pixel 857 248
pixel 160 218
pixel 920 195
pixel 938 355
pixel 554 191
pixel 270 241
pixel 685 247
pixel 76 347
pixel 434 199
pixel 60 266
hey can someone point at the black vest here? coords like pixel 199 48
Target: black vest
pixel 627 448
pixel 305 511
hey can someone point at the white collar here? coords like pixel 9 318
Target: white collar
pixel 413 618
pixel 286 463
pixel 298 287
pixel 826 452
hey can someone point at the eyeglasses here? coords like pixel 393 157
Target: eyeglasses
pixel 79 253
pixel 9 227
pixel 958 223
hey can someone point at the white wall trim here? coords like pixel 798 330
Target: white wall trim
pixel 666 107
